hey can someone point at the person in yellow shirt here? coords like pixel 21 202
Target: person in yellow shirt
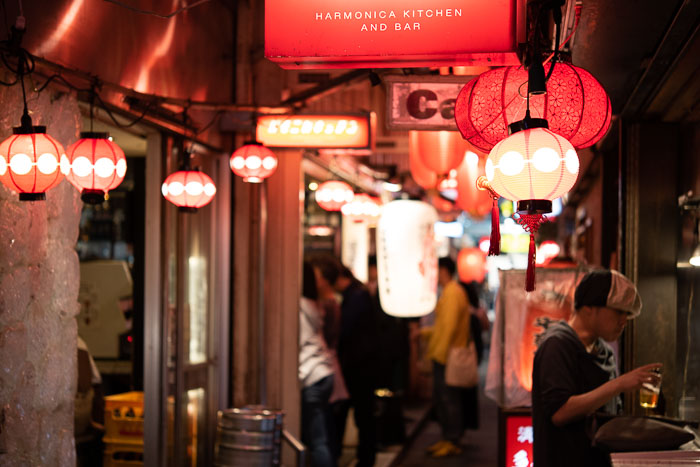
pixel 450 329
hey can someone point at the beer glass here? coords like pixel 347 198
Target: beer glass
pixel 649 392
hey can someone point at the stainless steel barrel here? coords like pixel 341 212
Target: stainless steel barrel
pixel 246 437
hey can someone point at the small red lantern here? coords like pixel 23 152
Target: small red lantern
pixel 575 105
pixel 439 151
pixel 97 165
pixel 31 162
pixel 533 166
pixel 189 189
pixel 254 162
pixel 475 202
pixel 333 195
pixel 471 265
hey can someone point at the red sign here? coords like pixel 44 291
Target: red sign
pixel 314 131
pixel 393 33
pixel 519 441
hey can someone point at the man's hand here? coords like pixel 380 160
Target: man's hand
pixel 633 380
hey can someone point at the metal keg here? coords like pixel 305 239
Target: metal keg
pixel 245 437
pixel 279 418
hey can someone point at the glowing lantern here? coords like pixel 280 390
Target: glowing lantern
pixel 31 162
pixel 422 175
pixel 575 105
pixel 333 195
pixel 471 265
pixel 254 162
pixel 363 207
pixel 477 203
pixel 97 165
pixel 406 258
pixel 439 151
pixel 188 189
pixel 533 166
pixel 547 251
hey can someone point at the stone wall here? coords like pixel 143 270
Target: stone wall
pixel 39 282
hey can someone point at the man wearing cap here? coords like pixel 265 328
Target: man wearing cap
pixel 575 374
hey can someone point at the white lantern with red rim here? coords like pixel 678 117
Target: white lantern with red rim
pixel 533 166
pixel 333 195
pixel 31 162
pixel 97 165
pixel 189 190
pixel 254 162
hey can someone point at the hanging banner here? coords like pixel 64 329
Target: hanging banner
pixel 355 247
pixel 406 258
pixel 393 33
pixel 422 102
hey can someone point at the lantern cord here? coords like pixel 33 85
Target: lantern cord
pixel 483 184
pixel 531 224
pixel 577 19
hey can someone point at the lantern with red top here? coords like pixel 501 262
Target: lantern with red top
pixel 533 166
pixel 253 161
pixel 333 195
pixel 97 165
pixel 188 189
pixel 31 162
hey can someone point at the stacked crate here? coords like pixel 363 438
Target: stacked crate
pixel 123 436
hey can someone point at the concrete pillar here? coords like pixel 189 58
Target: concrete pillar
pixel 39 281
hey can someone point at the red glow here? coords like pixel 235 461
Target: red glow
pixel 32 163
pixel 547 251
pixel 422 175
pixel 314 131
pixel 439 151
pixel 576 105
pixel 471 265
pixel 189 189
pixel 129 338
pixel 477 203
pixel 254 162
pixel 390 33
pixel 97 164
pixel 333 195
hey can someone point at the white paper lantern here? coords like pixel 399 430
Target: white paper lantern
pixel 406 259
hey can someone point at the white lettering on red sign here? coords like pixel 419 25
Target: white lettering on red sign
pixel 387 14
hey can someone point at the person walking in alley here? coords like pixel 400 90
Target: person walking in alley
pixel 574 372
pixel 357 353
pixel 450 329
pixel 315 375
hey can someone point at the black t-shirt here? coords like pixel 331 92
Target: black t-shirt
pixel 562 368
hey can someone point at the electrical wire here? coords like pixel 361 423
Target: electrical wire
pixel 153 13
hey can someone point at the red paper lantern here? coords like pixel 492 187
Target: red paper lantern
pixel 532 166
pixel 254 162
pixel 439 151
pixel 97 165
pixel 333 195
pixel 31 162
pixel 421 174
pixel 471 265
pixel 575 105
pixel 476 203
pixel 188 189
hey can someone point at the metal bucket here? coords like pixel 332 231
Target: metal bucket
pixel 248 437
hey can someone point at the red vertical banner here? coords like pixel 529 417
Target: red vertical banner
pixel 519 438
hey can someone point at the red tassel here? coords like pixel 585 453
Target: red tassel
pixel 495 244
pixel 530 278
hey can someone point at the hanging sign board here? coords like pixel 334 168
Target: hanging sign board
pixel 519 439
pixel 314 131
pixel 393 33
pixel 422 102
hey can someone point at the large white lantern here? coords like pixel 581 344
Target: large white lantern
pixel 406 259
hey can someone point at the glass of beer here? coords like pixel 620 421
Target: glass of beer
pixel 649 392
